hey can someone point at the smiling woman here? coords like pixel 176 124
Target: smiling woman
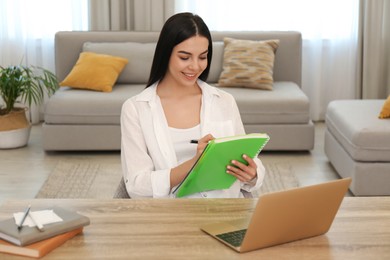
pixel 158 124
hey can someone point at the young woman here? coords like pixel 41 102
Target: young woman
pixel 177 106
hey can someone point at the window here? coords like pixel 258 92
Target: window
pixel 326 19
pixel 329 31
pixel 27 27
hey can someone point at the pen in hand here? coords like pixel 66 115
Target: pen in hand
pixel 194 141
pixel 20 225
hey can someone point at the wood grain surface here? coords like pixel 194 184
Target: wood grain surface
pixel 169 229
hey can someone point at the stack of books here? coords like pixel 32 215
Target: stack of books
pixel 32 242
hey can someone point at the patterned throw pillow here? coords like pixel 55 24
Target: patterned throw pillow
pixel 385 112
pixel 248 63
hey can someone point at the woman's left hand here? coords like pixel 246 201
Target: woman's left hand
pixel 242 172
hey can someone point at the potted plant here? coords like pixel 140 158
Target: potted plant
pixel 21 85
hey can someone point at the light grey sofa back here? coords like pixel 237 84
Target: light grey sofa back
pixel 68 46
pixel 139 56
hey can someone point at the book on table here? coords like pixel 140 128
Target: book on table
pixel 209 171
pixel 71 220
pixel 38 249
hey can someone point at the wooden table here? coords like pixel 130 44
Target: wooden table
pixel 169 229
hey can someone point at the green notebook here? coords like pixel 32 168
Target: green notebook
pixel 209 172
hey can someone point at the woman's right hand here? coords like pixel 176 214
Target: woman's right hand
pixel 180 172
pixel 202 143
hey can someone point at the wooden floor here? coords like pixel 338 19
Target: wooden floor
pixel 24 170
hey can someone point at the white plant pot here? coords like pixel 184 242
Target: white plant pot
pixel 14 138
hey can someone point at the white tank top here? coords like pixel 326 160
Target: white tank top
pixel 181 138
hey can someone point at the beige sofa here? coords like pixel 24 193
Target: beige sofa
pixel 88 120
pixel 357 144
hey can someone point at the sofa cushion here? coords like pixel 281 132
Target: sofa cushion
pixel 385 111
pixel 83 107
pixel 216 62
pixel 284 105
pixel 139 55
pixel 248 63
pixel 95 72
pixel 355 125
pixel 140 58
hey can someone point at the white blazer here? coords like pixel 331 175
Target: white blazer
pixel 147 151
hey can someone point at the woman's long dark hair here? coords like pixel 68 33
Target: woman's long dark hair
pixel 177 29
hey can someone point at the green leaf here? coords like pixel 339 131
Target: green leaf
pixel 27 84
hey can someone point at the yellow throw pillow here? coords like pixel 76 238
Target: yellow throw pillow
pixel 95 72
pixel 248 63
pixel 385 112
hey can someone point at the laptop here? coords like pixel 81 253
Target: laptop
pixel 284 216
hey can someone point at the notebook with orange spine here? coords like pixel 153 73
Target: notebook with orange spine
pixel 38 249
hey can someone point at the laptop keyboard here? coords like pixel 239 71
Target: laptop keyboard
pixel 234 238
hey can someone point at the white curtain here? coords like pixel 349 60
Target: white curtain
pixel 346 51
pixel 130 15
pixel 330 38
pixel 375 41
pixel 27 31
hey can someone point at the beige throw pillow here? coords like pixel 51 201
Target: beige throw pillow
pixel 248 63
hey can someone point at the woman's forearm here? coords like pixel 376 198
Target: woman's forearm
pixel 179 172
